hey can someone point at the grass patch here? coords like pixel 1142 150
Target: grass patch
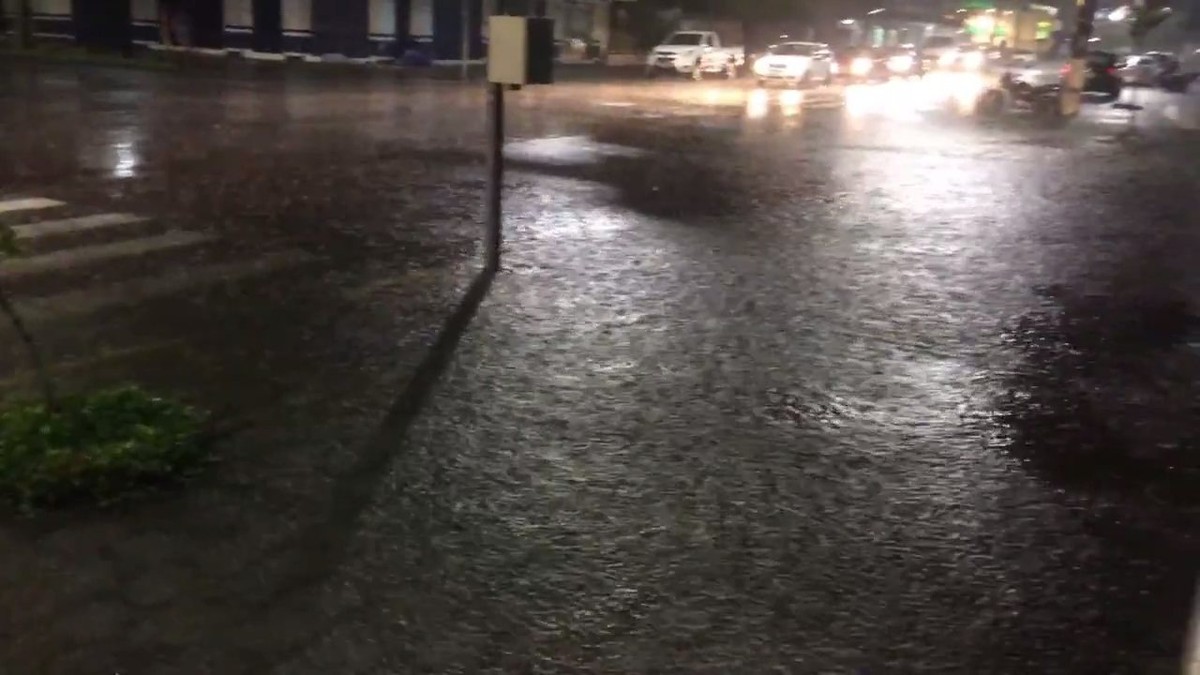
pixel 101 447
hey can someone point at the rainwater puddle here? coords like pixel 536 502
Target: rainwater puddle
pixel 567 151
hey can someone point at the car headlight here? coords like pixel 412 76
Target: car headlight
pixel 760 66
pixel 973 60
pixel 947 59
pixel 900 64
pixel 861 66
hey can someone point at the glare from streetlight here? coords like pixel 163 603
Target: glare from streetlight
pixel 1119 14
pixel 877 10
pixel 847 22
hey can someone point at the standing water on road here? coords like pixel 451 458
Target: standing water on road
pixel 771 381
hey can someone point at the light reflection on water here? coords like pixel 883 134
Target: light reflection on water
pixel 908 101
pixel 126 160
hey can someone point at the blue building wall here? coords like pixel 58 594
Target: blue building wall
pixel 448 25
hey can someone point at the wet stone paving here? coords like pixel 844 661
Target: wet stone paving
pixel 841 380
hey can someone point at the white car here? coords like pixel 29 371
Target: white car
pixel 695 52
pixel 796 63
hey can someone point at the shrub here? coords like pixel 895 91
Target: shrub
pixel 102 446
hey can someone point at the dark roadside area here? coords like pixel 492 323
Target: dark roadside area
pixel 807 392
pixel 293 273
pixel 235 64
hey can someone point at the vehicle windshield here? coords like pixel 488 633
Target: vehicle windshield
pixel 793 49
pixel 685 39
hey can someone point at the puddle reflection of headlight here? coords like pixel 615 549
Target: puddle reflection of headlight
pixel 858 100
pixel 967 91
pixel 757 105
pixel 790 102
pixel 900 64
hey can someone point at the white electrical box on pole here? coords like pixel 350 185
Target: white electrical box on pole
pixel 520 52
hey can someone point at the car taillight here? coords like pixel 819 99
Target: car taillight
pixel 1111 70
pixel 1065 70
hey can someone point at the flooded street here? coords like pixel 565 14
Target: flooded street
pixel 835 380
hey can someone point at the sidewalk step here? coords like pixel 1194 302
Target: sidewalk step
pixel 53 228
pixel 28 204
pixel 51 235
pixel 41 210
pixel 20 269
pixel 176 281
pixel 77 262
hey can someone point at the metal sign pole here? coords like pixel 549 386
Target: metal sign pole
pixel 493 235
pixel 466 38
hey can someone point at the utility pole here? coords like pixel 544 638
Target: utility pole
pixel 493 235
pixel 466 39
pixel 1072 95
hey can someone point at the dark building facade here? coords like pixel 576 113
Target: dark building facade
pixel 278 28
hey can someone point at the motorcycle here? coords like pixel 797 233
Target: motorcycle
pixel 1012 92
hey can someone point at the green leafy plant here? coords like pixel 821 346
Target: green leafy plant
pixel 101 447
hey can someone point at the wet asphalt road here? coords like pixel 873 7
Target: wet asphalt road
pixel 773 381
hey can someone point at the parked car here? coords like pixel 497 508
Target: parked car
pixel 902 61
pixel 860 65
pixel 796 63
pixel 1147 70
pixel 967 58
pixel 940 51
pixel 695 52
pixel 875 65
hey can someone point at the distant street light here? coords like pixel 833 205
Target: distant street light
pixel 877 10
pixel 847 22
